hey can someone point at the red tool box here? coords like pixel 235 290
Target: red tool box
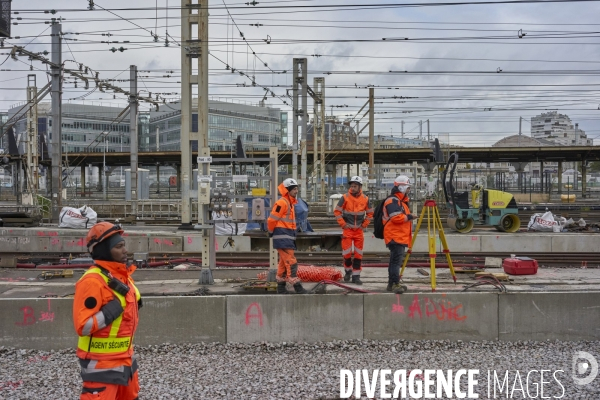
pixel 520 266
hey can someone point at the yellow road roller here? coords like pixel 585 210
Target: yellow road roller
pixel 478 206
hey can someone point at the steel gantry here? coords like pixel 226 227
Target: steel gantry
pixel 56 69
pixel 32 147
pixel 371 124
pixel 299 110
pixel 195 16
pixel 318 96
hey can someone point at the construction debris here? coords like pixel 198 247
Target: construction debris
pixel 498 275
pixel 65 273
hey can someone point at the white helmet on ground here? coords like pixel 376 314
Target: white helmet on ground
pixel 356 179
pixel 290 183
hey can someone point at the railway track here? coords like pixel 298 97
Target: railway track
pixel 334 258
pixel 251 259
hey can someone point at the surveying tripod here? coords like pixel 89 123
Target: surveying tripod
pixel 433 222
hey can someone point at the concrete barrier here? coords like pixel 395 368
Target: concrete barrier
pixel 8 244
pixel 518 244
pixel 165 244
pixel 41 324
pixel 46 324
pixel 465 243
pixel 569 243
pixel 281 318
pixel 182 320
pixel 54 240
pixel 541 316
pixel 69 244
pixel 374 245
pixel 136 244
pixel 193 244
pixel 435 316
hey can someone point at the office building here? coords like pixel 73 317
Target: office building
pixel 559 129
pixel 260 127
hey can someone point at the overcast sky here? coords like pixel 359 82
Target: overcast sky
pixel 463 67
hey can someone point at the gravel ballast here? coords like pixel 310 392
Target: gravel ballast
pixel 303 371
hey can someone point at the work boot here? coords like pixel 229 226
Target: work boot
pixel 281 289
pixel 398 288
pixel 356 280
pixel 389 286
pixel 348 275
pixel 299 289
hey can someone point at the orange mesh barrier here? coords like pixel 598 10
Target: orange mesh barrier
pixel 311 273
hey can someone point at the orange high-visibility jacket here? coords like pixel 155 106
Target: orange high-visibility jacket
pixel 282 221
pixel 97 340
pixel 395 217
pixel 353 211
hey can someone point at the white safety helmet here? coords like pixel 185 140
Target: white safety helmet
pixel 402 182
pixel 289 182
pixel 356 179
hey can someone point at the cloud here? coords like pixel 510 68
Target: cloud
pixel 451 77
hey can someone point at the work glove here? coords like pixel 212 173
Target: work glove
pixel 345 226
pixel 410 217
pixel 270 234
pixel 112 310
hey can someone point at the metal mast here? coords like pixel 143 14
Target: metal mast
pixel 299 106
pixel 56 71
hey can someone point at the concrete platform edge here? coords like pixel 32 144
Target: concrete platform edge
pixel 46 323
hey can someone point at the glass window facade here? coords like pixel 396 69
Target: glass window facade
pixel 258 132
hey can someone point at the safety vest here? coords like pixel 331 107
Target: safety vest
pixel 397 227
pixel 353 211
pixel 106 346
pixel 283 226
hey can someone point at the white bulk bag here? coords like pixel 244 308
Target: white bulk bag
pixel 542 222
pixel 77 218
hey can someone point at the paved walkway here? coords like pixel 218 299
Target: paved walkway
pixel 22 283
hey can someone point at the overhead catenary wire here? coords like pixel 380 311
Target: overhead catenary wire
pixel 250 93
pixel 355 6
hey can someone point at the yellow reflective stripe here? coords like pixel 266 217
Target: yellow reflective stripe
pixel 284 219
pixel 116 324
pixel 138 296
pixel 114 327
pixel 104 345
pixel 84 341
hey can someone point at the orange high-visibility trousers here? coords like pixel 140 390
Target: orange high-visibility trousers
pixel 350 236
pixel 109 391
pixel 287 270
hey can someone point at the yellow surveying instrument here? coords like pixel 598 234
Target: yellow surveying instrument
pixel 434 223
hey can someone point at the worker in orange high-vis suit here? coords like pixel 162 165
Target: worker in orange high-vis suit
pixel 353 213
pixel 282 228
pixel 397 230
pixel 105 315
